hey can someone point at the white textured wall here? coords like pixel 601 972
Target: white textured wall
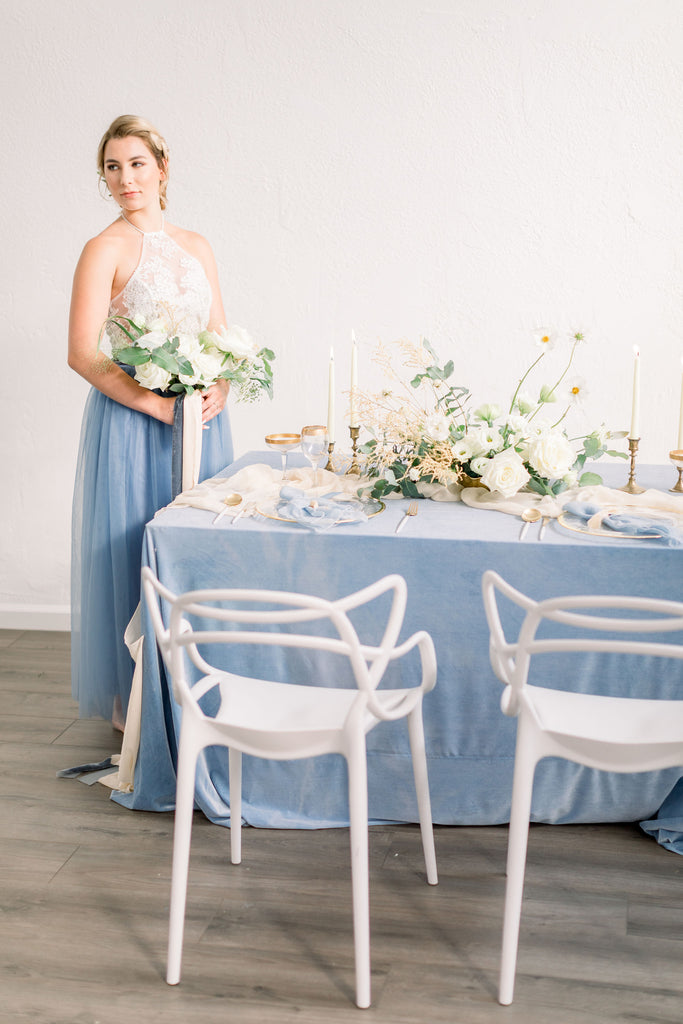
pixel 449 168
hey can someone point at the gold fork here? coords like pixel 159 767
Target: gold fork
pixel 410 511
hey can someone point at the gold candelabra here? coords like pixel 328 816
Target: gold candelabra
pixel 676 456
pixel 330 450
pixel 631 486
pixel 353 468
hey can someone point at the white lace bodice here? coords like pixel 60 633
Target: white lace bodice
pixel 168 284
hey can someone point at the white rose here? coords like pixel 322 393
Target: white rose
pixel 235 340
pixel 436 427
pixel 189 347
pixel 208 365
pixel 505 473
pixel 552 455
pixel 152 376
pixel 152 340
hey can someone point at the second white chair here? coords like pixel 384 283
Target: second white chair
pixel 288 720
pixel 618 734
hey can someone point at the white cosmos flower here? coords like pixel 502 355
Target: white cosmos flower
pixel 545 339
pixel 577 389
pixel 505 473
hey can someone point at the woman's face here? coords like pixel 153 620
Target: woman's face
pixel 132 173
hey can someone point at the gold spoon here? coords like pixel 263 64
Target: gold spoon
pixel 230 501
pixel 529 515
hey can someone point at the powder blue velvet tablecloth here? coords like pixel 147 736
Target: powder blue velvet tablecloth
pixel 442 553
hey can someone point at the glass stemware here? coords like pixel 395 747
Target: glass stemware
pixel 283 443
pixel 314 446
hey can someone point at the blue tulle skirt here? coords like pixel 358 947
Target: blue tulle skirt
pixel 123 477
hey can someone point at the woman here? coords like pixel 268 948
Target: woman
pixel 139 267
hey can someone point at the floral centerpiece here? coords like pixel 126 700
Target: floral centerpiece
pixel 169 360
pixel 424 433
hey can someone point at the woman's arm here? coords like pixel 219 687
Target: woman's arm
pixel 215 397
pixel 90 300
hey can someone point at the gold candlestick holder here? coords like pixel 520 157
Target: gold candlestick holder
pixel 353 468
pixel 330 450
pixel 676 456
pixel 631 486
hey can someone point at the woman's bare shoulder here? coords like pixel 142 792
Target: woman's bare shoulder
pixel 106 246
pixel 191 241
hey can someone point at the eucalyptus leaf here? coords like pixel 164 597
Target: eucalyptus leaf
pixel 589 479
pixel 132 356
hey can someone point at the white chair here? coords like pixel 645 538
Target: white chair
pixel 618 734
pixel 288 720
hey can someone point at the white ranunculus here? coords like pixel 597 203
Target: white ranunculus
pixel 152 340
pixel 551 455
pixel 235 340
pixel 505 473
pixel 436 427
pixel 152 376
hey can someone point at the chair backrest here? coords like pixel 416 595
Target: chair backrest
pixel 270 618
pixel 584 616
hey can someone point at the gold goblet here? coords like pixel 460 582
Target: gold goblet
pixel 283 443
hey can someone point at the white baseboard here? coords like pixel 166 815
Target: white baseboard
pixel 35 616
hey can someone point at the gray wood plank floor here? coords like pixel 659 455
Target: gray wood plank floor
pixel 84 892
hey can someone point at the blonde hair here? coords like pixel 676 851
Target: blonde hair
pixel 130 124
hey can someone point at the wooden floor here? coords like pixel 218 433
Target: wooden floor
pixel 84 894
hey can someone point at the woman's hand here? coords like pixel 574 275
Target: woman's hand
pixel 214 399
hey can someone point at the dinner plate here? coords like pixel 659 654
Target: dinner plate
pixel 375 504
pixel 578 525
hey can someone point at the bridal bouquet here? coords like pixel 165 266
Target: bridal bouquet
pixel 177 362
pixel 423 432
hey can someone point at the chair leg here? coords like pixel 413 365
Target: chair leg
pixel 518 835
pixel 182 835
pixel 235 781
pixel 424 806
pixel 358 817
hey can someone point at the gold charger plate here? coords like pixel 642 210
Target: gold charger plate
pixel 270 514
pixel 576 525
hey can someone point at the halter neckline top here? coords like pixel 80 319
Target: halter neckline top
pixel 168 290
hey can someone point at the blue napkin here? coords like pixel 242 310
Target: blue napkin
pixel 318 513
pixel 629 523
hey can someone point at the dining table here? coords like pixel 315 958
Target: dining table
pixel 442 552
